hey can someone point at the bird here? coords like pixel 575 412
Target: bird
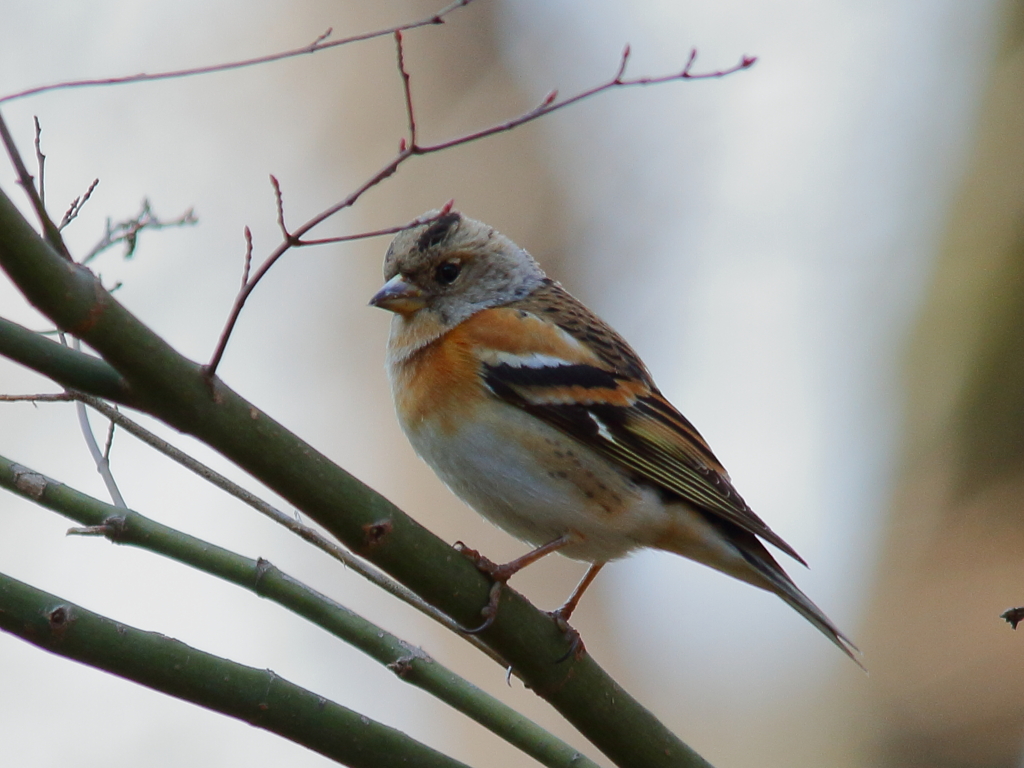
pixel 539 416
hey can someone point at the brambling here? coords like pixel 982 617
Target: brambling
pixel 544 420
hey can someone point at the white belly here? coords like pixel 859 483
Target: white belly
pixel 543 485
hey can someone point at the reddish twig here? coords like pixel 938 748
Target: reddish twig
pixel 445 210
pixel 410 149
pixel 406 87
pixel 248 256
pixel 279 202
pixel 552 104
pixel 317 45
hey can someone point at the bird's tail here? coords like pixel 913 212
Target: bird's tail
pixel 726 547
pixel 778 581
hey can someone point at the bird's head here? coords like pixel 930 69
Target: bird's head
pixel 452 267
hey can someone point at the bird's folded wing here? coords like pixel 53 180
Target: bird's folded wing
pixel 626 419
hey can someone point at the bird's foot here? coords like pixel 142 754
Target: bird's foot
pixel 572 636
pixel 501 573
pixel 498 573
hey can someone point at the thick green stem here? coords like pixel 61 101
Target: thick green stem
pixel 75 370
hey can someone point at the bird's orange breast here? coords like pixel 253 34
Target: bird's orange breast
pixel 441 381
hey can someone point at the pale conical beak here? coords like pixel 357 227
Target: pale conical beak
pixel 398 296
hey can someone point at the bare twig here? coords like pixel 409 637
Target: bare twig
pixel 110 442
pixel 127 231
pixel 76 205
pixel 406 83
pixel 40 161
pixel 409 149
pixel 50 231
pixel 56 397
pixel 317 45
pixel 292 239
pixel 247 233
pixel 279 202
pixel 445 209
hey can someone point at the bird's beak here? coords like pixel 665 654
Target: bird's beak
pixel 398 296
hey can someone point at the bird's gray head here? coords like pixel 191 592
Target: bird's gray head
pixel 454 267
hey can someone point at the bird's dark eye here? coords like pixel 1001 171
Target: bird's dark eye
pixel 447 272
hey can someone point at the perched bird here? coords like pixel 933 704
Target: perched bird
pixel 544 420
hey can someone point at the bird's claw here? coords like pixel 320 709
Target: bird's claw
pixel 489 611
pixel 498 574
pixel 572 636
pixel 497 571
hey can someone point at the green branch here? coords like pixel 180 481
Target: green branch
pixel 75 370
pixel 176 390
pixel 260 577
pixel 256 696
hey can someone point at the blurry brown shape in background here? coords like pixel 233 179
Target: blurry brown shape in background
pixel 948 687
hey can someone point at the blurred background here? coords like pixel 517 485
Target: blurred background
pixel 821 259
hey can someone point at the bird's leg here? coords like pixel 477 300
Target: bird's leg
pixel 501 573
pixel 561 616
pixel 505 571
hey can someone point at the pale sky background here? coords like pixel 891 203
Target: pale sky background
pixel 764 241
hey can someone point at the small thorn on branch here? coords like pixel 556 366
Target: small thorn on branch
pixel 550 98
